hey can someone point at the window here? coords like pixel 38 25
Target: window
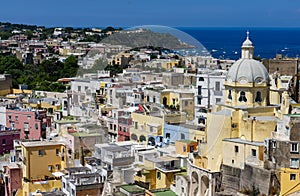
pixel 218 100
pixel 151 128
pixel 3 141
pixel 26 126
pixel 158 175
pixel 186 103
pixel 73 192
pixel 292 176
pixel 115 127
pixel 16 117
pixel 79 88
pixel 236 149
pixel 253 151
pixel 191 148
pixel 229 95
pixel 199 100
pixel 274 144
pixel 64 185
pixel 50 168
pixel 184 149
pixel 36 126
pixel 182 136
pixel 110 126
pixel 168 135
pixel 9 117
pixel 294 163
pixel 258 97
pixel 41 152
pixel 28 117
pixel 148 98
pixel 140 158
pixel 86 87
pixel 217 86
pixel 242 97
pixel 57 151
pixel 154 99
pixel 57 166
pixel 294 147
pixel 201 79
pixel 135 125
pixel 199 90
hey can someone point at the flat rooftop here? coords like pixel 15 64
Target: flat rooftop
pixel 132 188
pixel 41 143
pixel 77 169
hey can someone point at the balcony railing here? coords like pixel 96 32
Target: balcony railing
pixel 167 168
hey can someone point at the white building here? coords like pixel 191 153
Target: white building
pixel 210 89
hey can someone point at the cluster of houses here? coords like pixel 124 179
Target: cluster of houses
pixel 210 132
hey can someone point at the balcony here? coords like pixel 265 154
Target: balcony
pixel 166 168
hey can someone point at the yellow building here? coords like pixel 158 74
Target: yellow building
pixel 158 172
pixel 43 162
pixel 170 64
pixel 146 126
pixel 246 114
pixel 289 182
pixel 179 99
pixel 122 58
pixel 184 147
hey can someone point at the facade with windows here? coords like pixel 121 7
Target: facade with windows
pixel 42 163
pixel 32 123
pixel 209 92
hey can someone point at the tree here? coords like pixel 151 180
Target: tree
pixel 29 34
pixel 70 66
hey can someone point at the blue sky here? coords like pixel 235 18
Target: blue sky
pixel 128 13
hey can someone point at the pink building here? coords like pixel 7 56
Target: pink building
pixel 13 178
pixel 33 124
pixel 7 138
pixel 124 123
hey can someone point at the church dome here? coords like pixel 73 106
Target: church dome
pixel 248 70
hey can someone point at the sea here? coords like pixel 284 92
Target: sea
pixel 225 43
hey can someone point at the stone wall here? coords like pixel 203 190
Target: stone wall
pixel 235 180
pixel 258 177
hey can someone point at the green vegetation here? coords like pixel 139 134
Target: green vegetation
pixel 145 38
pixel 39 77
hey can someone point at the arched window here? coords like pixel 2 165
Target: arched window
pixel 134 137
pixel 242 97
pixel 258 97
pixel 229 95
pixel 142 138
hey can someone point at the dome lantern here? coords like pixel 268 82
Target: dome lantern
pixel 247 48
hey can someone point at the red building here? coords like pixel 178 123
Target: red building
pixel 13 178
pixel 124 123
pixel 33 124
pixel 7 138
